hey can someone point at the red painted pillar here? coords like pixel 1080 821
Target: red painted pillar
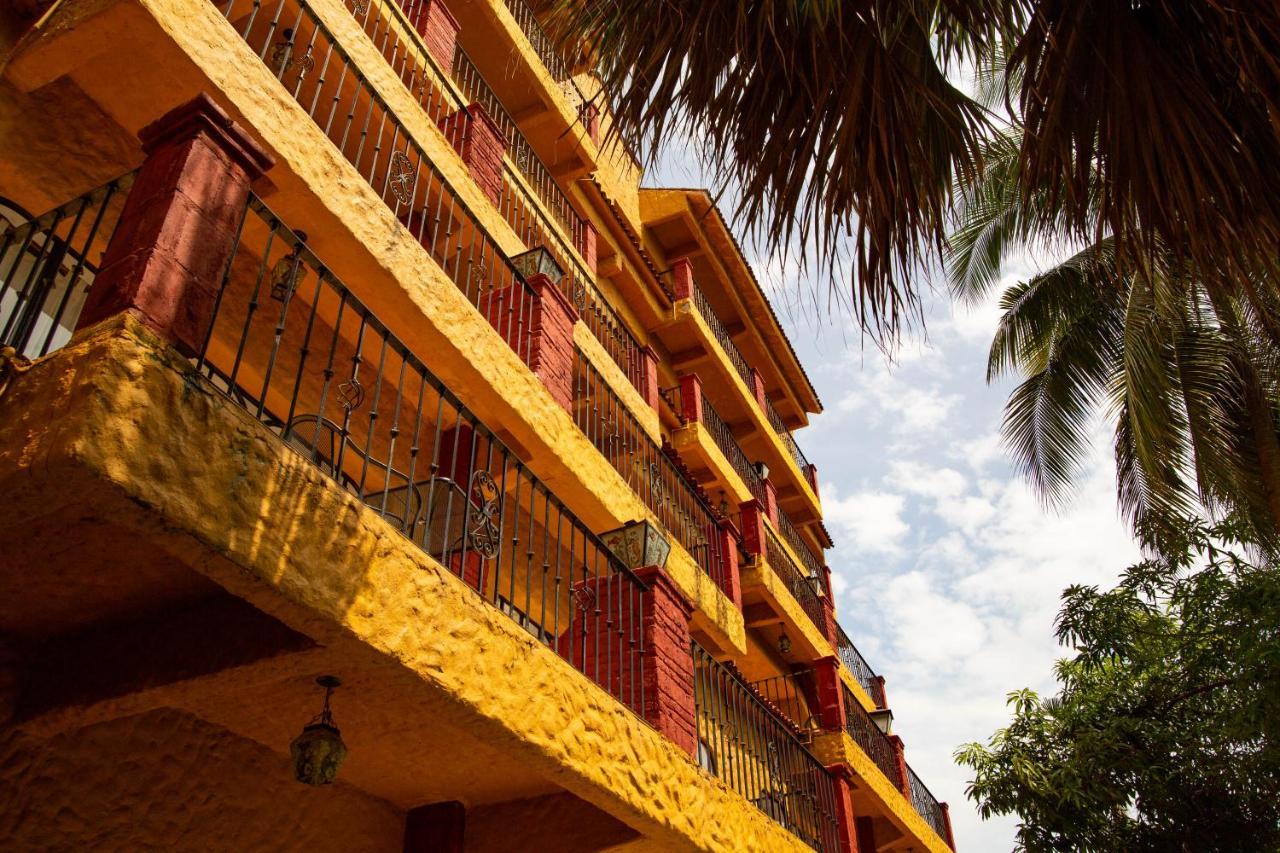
pixel 437 26
pixel 649 377
pixel 480 143
pixel 770 500
pixel 881 698
pixel 830 628
pixel 865 831
pixel 830 693
pixel 682 278
pixel 603 635
pixel 900 755
pixel 949 836
pixel 811 474
pixel 590 115
pixel 691 398
pixel 757 389
pixel 729 556
pixel 846 821
pixel 539 329
pixel 752 514
pixel 177 231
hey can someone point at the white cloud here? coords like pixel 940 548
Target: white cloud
pixel 868 520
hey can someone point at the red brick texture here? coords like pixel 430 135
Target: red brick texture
pixel 757 389
pixel 682 278
pixel 900 753
pixel 729 556
pixel 950 836
pixel 600 646
pixel 649 377
pixel 883 698
pixel 542 327
pixel 846 822
pixel 830 693
pixel 830 627
pixel 770 500
pixel 811 474
pixel 585 242
pixel 752 514
pixel 437 26
pixel 691 398
pixel 480 143
pixel 167 258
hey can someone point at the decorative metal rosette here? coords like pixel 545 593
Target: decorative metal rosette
pixel 585 597
pixel 580 295
pixel 484 514
pixel 351 394
pixel 401 180
pixel 359 7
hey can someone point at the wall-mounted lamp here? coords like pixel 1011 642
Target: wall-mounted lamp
pixel 637 544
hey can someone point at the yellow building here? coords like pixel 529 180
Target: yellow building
pixel 341 353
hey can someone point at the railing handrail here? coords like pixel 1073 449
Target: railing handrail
pixel 857 664
pixel 721 334
pixel 783 433
pixel 803 588
pixel 867 734
pixel 723 437
pixel 803 552
pixel 931 808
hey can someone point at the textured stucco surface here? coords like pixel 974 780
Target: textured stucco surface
pixel 119 416
pixel 165 780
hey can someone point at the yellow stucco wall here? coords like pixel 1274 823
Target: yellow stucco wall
pixel 165 780
pixel 118 421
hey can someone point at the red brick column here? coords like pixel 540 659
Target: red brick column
pixel 480 143
pixel 585 243
pixel 649 377
pixel 830 627
pixel 865 831
pixel 668 671
pixel 542 326
pixel 846 821
pixel 770 500
pixel 883 698
pixel 752 514
pixel 177 231
pixel 664 634
pixel 682 278
pixel 811 474
pixel 900 754
pixel 590 115
pixel 691 398
pixel 950 836
pixel 830 693
pixel 757 389
pixel 437 26
pixel 726 534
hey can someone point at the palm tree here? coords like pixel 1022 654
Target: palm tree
pixel 837 123
pixel 1186 372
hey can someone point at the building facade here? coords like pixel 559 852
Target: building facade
pixel 353 387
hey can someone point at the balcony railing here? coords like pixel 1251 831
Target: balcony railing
pixel 47 265
pixel 804 588
pixel 775 420
pixel 867 735
pixel 927 805
pixel 671 495
pixel 792 695
pixel 760 755
pixel 404 50
pixel 813 564
pixel 723 437
pixel 291 344
pixel 857 664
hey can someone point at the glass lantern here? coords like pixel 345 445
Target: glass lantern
pixel 538 262
pixel 637 544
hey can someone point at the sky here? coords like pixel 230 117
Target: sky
pixel 947 570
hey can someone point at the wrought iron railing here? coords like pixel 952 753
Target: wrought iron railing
pixel 760 755
pixel 417 69
pixel 926 804
pixel 784 434
pixel 545 47
pixel 803 588
pixel 721 334
pixel 321 77
pixel 813 564
pixel 857 664
pixel 47 265
pixel 296 348
pixel 867 735
pixel 793 695
pixel 723 437
pixel 669 493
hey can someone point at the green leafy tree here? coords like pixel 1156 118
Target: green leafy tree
pixel 1163 734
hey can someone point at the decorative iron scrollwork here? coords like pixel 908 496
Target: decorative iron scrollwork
pixel 359 7
pixel 483 515
pixel 401 180
pixel 351 394
pixel 580 296
pixel 585 597
pixel 284 61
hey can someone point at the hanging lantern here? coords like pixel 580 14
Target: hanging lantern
pixel 318 752
pixel 637 544
pixel 284 275
pixel 538 262
pixel 784 642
